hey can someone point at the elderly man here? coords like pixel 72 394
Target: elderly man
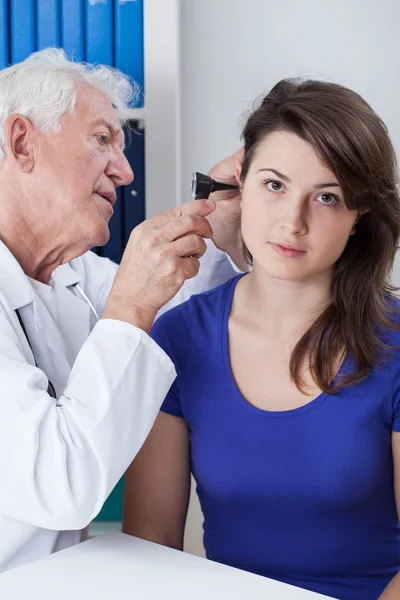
pixel 80 393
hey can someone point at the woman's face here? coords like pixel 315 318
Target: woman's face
pixel 294 220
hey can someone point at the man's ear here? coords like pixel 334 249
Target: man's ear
pixel 18 146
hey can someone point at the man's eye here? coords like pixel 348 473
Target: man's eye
pixel 103 139
pixel 273 185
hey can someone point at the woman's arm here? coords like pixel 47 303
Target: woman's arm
pixel 157 485
pixel 392 591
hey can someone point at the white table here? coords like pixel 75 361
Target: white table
pixel 117 566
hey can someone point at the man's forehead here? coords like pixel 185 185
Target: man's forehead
pixel 95 106
pixel 111 122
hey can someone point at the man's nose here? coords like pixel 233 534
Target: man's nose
pixel 119 170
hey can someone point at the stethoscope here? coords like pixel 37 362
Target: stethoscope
pixel 51 389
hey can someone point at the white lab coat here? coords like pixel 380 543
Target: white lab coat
pixel 59 460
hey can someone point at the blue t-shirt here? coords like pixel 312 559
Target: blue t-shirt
pixel 304 496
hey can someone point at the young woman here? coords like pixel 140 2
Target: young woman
pixel 286 407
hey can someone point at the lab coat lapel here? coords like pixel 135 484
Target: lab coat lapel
pixel 16 288
pixel 47 329
pixel 79 315
pixel 66 337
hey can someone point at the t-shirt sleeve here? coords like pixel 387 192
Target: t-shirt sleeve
pixel 396 412
pixel 394 369
pixel 164 333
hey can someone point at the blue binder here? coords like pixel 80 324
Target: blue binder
pixel 4 58
pixel 99 48
pixel 72 35
pixel 129 40
pixel 133 194
pixel 114 247
pixel 23 29
pixel 48 23
pixel 129 209
pixel 99 32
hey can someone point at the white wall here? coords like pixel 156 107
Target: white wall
pixel 162 103
pixel 234 50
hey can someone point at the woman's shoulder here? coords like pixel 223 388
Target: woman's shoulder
pixel 197 315
pixel 207 304
pixel 391 334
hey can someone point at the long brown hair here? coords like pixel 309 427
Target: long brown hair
pixel 353 142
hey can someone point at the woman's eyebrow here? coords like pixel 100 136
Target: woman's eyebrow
pixel 318 186
pixel 277 173
pixel 329 184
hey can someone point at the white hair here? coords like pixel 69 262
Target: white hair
pixel 44 87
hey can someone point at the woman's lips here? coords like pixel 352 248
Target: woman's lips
pixel 287 251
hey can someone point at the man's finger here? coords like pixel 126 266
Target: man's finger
pixel 191 267
pixel 225 170
pixel 239 155
pixel 186 224
pixel 190 245
pixel 201 208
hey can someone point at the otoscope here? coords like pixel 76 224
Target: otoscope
pixel 204 185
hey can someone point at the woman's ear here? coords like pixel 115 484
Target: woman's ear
pixel 238 172
pixel 361 213
pixel 239 158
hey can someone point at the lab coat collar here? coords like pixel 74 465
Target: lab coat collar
pixel 15 285
pixel 66 276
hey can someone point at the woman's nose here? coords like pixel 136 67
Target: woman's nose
pixel 294 220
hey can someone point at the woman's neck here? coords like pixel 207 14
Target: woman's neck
pixel 280 307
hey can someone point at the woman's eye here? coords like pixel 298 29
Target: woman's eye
pixel 103 139
pixel 328 199
pixel 274 186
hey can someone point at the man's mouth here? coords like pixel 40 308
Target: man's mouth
pixel 109 196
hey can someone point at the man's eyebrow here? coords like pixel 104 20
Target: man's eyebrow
pixel 112 126
pixel 318 186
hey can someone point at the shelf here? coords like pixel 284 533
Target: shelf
pixel 137 114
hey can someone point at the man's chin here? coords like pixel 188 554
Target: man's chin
pixel 104 239
pixel 101 235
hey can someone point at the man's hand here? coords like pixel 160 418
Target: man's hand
pixel 225 220
pixel 161 254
